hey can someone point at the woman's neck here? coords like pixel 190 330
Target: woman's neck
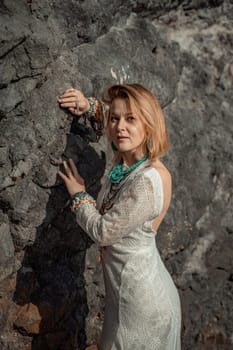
pixel 131 158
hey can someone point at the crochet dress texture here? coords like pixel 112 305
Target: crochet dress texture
pixel 142 306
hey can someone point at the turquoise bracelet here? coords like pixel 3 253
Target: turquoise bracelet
pixel 80 198
pixel 79 195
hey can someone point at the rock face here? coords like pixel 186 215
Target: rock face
pixel 51 288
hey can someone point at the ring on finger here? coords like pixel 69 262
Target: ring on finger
pixel 76 104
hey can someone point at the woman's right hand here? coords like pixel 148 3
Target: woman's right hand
pixel 75 101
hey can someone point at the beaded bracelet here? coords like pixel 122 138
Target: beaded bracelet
pixel 81 198
pixel 96 115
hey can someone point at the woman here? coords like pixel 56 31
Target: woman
pixel 142 304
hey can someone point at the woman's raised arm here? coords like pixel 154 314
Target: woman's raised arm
pixel 93 109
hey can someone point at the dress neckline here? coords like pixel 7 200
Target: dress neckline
pixel 112 189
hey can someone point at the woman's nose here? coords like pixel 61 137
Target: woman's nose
pixel 121 124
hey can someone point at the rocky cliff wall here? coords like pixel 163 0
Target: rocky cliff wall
pixel 51 291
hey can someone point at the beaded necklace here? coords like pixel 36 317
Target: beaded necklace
pixel 109 197
pixel 117 174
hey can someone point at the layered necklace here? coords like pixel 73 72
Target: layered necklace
pixel 118 173
pixel 117 176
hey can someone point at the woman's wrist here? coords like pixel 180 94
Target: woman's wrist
pixel 77 195
pixel 80 198
pixel 93 106
pixel 88 107
pixel 96 115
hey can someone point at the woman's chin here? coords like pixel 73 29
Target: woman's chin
pixel 124 150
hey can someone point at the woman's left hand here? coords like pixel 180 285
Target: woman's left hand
pixel 73 181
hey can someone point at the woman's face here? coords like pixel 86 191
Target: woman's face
pixel 126 130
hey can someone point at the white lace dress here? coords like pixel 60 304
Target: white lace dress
pixel 142 309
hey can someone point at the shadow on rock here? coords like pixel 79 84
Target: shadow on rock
pixel 50 304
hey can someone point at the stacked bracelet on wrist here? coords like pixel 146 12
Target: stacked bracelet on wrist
pixel 93 102
pixel 96 114
pixel 80 198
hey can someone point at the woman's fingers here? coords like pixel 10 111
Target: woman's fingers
pixel 70 90
pixel 75 101
pixel 72 102
pixel 68 98
pixel 68 176
pixel 73 184
pixel 68 170
pixel 72 93
pixel 75 172
pixel 68 95
pixel 73 167
pixel 68 104
pixel 63 176
pixel 72 110
pixel 71 171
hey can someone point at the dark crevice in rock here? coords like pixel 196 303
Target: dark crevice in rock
pixel 3 9
pixel 3 86
pixel 41 81
pixel 15 107
pixel 156 9
pixel 33 76
pixel 195 4
pixel 35 181
pixel 5 205
pixel 12 48
pixel 2 115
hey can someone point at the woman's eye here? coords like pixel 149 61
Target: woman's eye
pixel 114 118
pixel 130 118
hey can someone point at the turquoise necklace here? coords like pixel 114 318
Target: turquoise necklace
pixel 118 173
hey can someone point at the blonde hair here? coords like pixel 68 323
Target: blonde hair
pixel 146 106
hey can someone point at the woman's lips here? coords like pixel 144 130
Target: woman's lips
pixel 121 138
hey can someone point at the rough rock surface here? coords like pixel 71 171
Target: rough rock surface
pixel 51 288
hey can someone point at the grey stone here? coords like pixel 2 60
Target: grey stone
pixel 6 243
pixel 4 152
pixel 7 250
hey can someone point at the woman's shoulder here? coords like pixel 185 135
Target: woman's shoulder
pixel 159 168
pixel 147 177
pixel 159 171
pixel 160 178
pixel 153 174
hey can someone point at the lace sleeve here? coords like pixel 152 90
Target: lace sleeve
pixel 138 203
